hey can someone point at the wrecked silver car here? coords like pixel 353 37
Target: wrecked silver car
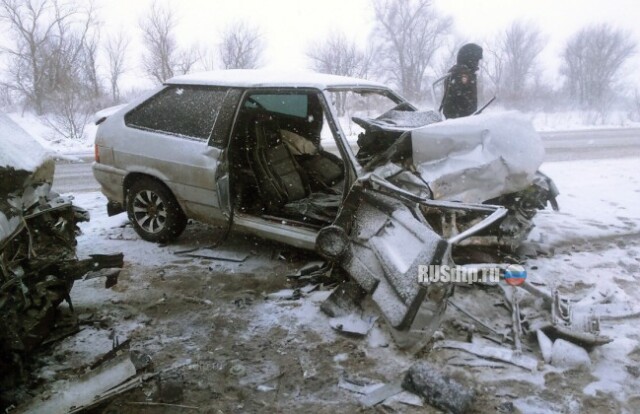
pixel 338 165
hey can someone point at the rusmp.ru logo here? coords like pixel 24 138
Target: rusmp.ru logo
pixel 515 275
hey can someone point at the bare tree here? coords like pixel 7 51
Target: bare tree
pixel 186 60
pixel 520 45
pixel 338 56
pixel 493 66
pixel 5 96
pixel 207 57
pixel 116 49
pixel 510 62
pixel 159 58
pixel 90 62
pixel 241 46
pixel 592 60
pixel 70 117
pixel 409 32
pixel 48 39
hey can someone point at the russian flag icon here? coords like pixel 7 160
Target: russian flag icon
pixel 515 275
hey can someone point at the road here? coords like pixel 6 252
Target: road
pixel 591 144
pixel 76 176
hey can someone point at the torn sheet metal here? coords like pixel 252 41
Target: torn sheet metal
pixel 477 158
pixel 387 243
pixel 474 159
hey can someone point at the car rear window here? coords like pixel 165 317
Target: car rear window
pixel 180 110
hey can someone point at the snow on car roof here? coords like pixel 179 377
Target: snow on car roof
pixel 270 78
pixel 18 149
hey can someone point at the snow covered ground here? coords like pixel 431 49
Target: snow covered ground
pixel 214 316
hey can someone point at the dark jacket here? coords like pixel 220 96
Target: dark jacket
pixel 460 92
pixel 460 87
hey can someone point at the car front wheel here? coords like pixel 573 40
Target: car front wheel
pixel 154 212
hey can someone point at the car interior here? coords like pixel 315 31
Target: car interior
pixel 279 169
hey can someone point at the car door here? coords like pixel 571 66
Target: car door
pixel 169 137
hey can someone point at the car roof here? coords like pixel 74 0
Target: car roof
pixel 248 78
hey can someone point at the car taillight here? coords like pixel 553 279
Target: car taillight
pixel 97 152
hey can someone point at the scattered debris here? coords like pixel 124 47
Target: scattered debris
pixel 440 391
pixel 580 328
pixel 545 345
pixel 81 393
pixel 564 354
pixel 215 254
pixel 344 300
pixel 380 394
pixel 284 294
pixel 404 397
pixel 195 300
pixel 491 352
pixel 156 404
pixel 170 390
pixel 485 326
pixel 359 386
pixel 237 370
pixel 516 320
pixel 352 324
pixel 308 368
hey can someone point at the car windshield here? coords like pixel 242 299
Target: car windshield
pixel 362 103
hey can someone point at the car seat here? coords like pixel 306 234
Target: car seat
pixel 278 176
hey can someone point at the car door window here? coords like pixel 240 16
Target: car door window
pixel 291 104
pixel 188 111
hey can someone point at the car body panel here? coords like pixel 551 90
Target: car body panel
pixel 187 166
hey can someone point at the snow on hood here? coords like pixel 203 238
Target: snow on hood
pixel 18 149
pixel 477 158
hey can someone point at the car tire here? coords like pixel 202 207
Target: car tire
pixel 153 211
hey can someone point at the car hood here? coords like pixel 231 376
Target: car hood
pixel 26 174
pixel 471 160
pixel 23 161
pixel 477 158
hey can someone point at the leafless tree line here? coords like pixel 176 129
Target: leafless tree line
pixel 411 45
pixel 52 61
pixel 55 46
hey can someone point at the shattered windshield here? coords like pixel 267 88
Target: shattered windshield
pixel 361 103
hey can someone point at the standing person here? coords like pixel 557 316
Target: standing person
pixel 460 86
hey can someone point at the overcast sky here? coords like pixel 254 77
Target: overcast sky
pixel 290 25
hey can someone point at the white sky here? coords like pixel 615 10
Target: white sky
pixel 290 25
